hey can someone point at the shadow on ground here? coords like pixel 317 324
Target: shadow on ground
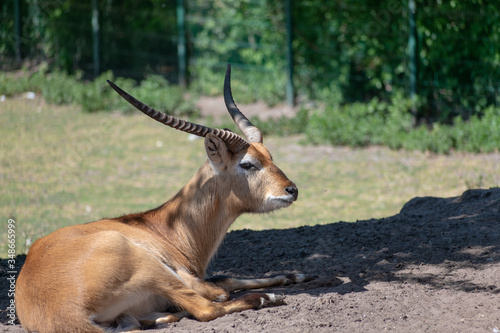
pixel 433 247
pixel 454 233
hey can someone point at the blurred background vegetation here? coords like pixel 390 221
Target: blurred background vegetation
pixel 412 74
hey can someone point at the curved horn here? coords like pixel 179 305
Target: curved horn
pixel 234 142
pixel 251 132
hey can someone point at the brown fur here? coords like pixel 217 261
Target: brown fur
pixel 120 273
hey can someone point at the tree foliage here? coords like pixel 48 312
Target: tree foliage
pixel 344 51
pixel 353 51
pixel 459 57
pixel 135 37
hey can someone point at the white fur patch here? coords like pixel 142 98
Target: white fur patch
pixel 299 278
pixel 267 302
pixel 276 202
pixel 272 298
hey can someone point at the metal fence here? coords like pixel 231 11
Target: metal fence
pixel 438 51
pixel 130 38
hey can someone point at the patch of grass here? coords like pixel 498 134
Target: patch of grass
pixel 349 184
pixel 60 166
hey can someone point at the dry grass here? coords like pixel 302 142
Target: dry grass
pixel 59 166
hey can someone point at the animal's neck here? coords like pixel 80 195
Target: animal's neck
pixel 195 221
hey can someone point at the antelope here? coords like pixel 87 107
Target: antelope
pixel 147 269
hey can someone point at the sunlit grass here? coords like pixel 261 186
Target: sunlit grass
pixel 60 166
pixel 345 184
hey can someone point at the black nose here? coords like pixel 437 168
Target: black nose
pixel 293 191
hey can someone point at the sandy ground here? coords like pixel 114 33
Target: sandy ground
pixel 434 267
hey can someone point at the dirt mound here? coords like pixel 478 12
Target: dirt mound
pixel 434 267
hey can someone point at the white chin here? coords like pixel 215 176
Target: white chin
pixel 273 203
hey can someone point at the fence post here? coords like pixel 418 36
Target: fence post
pixel 290 95
pixel 37 39
pixel 17 29
pixel 181 42
pixel 413 56
pixel 95 37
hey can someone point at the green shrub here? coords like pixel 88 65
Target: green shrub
pixel 377 122
pixel 283 126
pixel 479 134
pixel 156 91
pixel 17 83
pixel 390 124
pixel 60 88
pixel 267 85
pixel 360 124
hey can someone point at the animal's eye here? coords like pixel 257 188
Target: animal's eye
pixel 246 165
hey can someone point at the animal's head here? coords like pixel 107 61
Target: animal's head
pixel 244 167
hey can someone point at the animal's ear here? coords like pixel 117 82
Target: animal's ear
pixel 217 152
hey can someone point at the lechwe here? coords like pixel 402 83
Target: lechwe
pixel 125 273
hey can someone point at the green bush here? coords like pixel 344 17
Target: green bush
pixel 268 86
pixel 377 122
pixel 156 91
pixel 17 83
pixel 390 124
pixel 360 124
pixel 479 134
pixel 60 88
pixel 283 126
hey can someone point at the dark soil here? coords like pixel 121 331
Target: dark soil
pixel 434 267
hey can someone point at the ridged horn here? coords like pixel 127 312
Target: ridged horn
pixel 251 132
pixel 234 142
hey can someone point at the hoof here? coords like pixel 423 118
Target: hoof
pixel 299 278
pixel 268 300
